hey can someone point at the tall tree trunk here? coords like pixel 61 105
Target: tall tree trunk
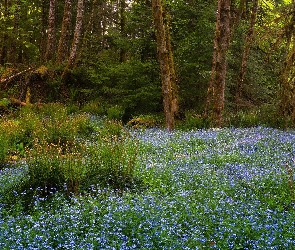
pixel 123 53
pixel 287 75
pixel 51 38
pixel 77 35
pixel 175 107
pixel 14 49
pixel 3 54
pixel 42 45
pixel 166 64
pixel 249 40
pixel 218 74
pixel 63 45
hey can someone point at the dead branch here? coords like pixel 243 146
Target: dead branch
pixel 10 78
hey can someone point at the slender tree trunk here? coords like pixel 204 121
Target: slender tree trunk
pixel 166 64
pixel 42 45
pixel 89 26
pixel 14 49
pixel 218 74
pixel 3 54
pixel 51 38
pixel 175 106
pixel 77 35
pixel 249 40
pixel 287 88
pixel 123 53
pixel 63 45
pixel 213 71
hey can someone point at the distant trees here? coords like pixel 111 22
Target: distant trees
pixel 114 51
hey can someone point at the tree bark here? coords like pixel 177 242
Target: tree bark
pixel 166 64
pixel 218 73
pixel 14 48
pixel 249 40
pixel 63 45
pixel 123 52
pixel 51 38
pixel 43 42
pixel 287 75
pixel 77 35
pixel 3 54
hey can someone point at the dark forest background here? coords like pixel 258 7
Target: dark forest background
pixel 101 56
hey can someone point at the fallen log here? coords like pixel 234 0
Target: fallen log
pixel 15 101
pixel 13 77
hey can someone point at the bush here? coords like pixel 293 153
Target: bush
pixel 94 108
pixel 243 119
pixel 72 167
pixel 3 146
pixel 194 120
pixel 112 163
pixel 115 113
pixel 145 121
pixel 51 166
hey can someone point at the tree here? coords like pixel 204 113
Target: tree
pixel 247 46
pixel 63 45
pixel 77 35
pixel 166 64
pixel 287 75
pixel 51 39
pixel 219 63
pixel 123 53
pixel 43 38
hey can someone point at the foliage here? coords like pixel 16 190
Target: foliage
pixel 113 159
pixel 145 121
pixel 93 107
pixel 3 146
pixel 61 159
pixel 115 113
pixel 265 115
pixel 193 120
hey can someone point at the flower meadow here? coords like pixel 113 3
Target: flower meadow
pixel 224 188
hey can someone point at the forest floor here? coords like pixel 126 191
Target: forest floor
pixel 206 189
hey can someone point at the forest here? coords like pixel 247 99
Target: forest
pixel 147 124
pixel 201 62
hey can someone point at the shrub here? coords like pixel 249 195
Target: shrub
pixel 112 162
pixel 3 146
pixel 115 113
pixel 194 120
pixel 52 123
pixel 51 166
pixel 145 121
pixel 94 108
pixel 12 138
pixel 244 119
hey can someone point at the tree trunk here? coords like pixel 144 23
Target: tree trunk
pixel 166 64
pixel 287 88
pixel 51 38
pixel 42 45
pixel 249 39
pixel 63 45
pixel 3 54
pixel 123 53
pixel 218 74
pixel 14 48
pixel 77 35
